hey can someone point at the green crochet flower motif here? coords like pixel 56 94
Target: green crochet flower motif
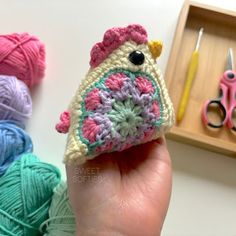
pixel 126 118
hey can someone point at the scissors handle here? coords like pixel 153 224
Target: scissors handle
pixel 232 118
pixel 232 108
pixel 229 80
pixel 219 109
pixel 224 106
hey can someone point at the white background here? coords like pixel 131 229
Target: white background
pixel 204 189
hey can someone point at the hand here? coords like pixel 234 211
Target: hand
pixel 122 193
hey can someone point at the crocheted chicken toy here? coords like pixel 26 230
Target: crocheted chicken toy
pixel 122 101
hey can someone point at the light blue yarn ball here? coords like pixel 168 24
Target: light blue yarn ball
pixel 14 141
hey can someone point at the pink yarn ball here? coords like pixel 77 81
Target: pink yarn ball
pixel 23 56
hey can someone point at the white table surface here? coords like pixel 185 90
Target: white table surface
pixel 204 183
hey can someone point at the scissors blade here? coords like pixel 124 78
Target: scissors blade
pixel 230 60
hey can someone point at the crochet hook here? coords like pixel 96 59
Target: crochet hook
pixel 191 74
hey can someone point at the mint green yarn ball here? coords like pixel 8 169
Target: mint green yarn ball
pixel 26 191
pixel 61 221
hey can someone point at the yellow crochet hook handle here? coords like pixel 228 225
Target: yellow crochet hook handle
pixel 192 70
pixel 188 84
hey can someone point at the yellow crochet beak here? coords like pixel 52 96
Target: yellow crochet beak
pixel 155 47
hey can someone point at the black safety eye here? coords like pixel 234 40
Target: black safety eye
pixel 137 58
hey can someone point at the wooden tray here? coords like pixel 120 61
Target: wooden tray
pixel 219 35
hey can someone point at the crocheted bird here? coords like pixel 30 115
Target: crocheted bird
pixel 122 101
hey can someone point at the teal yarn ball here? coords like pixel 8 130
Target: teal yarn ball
pixel 26 191
pixel 14 141
pixel 61 220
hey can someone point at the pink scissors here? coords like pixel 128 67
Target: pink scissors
pixel 225 105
